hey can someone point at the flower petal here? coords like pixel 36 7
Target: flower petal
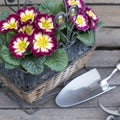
pixel 27 14
pixel 78 3
pixel 19 45
pixel 43 44
pixel 27 29
pixel 92 24
pixel 11 23
pixel 91 14
pixel 81 22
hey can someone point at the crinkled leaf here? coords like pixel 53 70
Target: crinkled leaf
pixel 7 57
pixel 87 38
pixel 33 65
pixel 58 61
pixel 10 35
pixel 4 15
pixel 51 7
pixel 9 66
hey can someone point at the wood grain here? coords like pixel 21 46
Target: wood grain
pixel 108 14
pixel 108 37
pixel 102 58
pixel 55 114
pixel 103 1
pixel 86 1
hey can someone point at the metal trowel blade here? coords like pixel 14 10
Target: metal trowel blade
pixel 84 91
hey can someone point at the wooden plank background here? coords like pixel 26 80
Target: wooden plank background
pixel 104 59
pixel 86 1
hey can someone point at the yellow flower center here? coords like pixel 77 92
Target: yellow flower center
pixel 42 42
pixel 21 45
pixel 73 2
pixel 28 15
pixel 46 24
pixel 80 21
pixel 27 29
pixel 12 24
pixel 91 14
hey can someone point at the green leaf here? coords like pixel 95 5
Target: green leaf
pixel 58 61
pixel 1 60
pixel 58 37
pixel 33 65
pixel 87 38
pixel 10 35
pixel 7 57
pixel 99 24
pixel 51 7
pixel 9 66
pixel 62 26
pixel 36 7
pixel 2 39
pixel 4 15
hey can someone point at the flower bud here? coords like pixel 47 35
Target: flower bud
pixel 73 11
pixel 60 18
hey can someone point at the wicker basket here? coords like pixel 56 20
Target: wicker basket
pixel 43 88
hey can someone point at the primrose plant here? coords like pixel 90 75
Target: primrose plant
pixel 36 37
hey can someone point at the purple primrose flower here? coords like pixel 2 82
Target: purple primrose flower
pixel 19 45
pixel 44 22
pixel 43 44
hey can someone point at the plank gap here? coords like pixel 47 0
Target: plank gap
pixel 91 4
pixel 15 5
pixel 107 48
pixel 100 4
pixel 112 27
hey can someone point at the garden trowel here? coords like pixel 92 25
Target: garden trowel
pixel 84 88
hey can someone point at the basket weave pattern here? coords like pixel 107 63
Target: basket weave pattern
pixel 50 84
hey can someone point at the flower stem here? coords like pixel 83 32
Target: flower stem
pixel 73 25
pixel 25 3
pixel 66 19
pixel 18 4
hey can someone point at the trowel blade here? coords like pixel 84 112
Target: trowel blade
pixel 69 97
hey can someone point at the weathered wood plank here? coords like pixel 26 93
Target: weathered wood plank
pixel 6 8
pixel 55 114
pixel 108 37
pixel 86 1
pixel 109 15
pixel 103 1
pixel 22 2
pixel 104 58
